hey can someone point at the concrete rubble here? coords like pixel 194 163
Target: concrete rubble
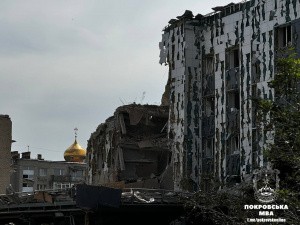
pixel 131 146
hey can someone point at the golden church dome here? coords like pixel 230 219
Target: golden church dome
pixel 75 153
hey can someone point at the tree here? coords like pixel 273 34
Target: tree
pixel 281 116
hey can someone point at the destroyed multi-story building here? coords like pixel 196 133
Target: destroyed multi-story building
pixel 131 147
pixel 218 64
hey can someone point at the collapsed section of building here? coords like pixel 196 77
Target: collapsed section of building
pixel 131 146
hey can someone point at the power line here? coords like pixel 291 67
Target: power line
pixel 27 146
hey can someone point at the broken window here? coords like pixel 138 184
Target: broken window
pixel 208 80
pixel 233 122
pixel 209 106
pixel 208 66
pixel 233 167
pixel 233 101
pixel 236 58
pixel 284 36
pixel 232 61
pixel 208 147
pixel 256 71
pixel 232 58
pixel 208 126
pixel 233 144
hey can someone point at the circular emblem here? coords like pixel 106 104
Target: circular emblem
pixel 265 184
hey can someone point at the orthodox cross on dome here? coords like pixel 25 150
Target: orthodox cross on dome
pixel 75 129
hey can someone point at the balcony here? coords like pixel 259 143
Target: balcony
pixel 55 178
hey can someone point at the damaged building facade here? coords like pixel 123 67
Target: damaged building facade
pixel 218 64
pixel 131 147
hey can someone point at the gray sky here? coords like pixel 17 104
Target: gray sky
pixel 67 64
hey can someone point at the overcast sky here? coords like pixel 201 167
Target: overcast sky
pixel 71 63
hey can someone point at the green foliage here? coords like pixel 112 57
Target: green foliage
pixel 281 117
pixel 219 207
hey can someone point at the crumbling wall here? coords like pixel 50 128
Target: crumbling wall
pixel 130 146
pixel 178 50
pixel 99 153
pixel 242 39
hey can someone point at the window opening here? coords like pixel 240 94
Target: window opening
pixel 284 36
pixel 43 172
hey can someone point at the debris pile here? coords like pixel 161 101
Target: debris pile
pixel 131 146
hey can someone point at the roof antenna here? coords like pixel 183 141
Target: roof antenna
pixel 75 129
